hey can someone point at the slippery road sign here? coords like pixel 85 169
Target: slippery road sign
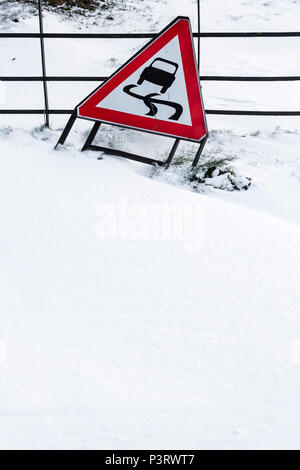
pixel 157 90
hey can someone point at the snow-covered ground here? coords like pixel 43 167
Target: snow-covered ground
pixel 135 313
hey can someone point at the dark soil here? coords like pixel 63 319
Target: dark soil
pixel 75 6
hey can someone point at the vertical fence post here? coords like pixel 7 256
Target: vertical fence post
pixel 43 64
pixel 198 16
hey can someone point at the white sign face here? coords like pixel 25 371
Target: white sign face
pixel 161 79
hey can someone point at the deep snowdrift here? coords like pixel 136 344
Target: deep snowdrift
pixel 139 342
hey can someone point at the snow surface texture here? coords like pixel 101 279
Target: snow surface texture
pixel 124 324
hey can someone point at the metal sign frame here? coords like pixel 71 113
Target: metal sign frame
pixel 88 145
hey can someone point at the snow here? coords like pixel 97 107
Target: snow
pixel 123 324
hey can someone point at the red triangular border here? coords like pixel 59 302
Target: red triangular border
pixel 181 27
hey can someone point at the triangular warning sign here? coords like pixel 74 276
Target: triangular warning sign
pixel 157 90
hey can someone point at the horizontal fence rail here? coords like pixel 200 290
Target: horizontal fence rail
pixel 267 34
pixel 208 111
pixel 221 78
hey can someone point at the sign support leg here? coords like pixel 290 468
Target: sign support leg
pixel 91 136
pixel 67 129
pixel 199 152
pixel 172 153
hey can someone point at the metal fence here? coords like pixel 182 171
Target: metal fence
pixel 41 35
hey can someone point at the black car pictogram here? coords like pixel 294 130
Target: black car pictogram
pixel 159 76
